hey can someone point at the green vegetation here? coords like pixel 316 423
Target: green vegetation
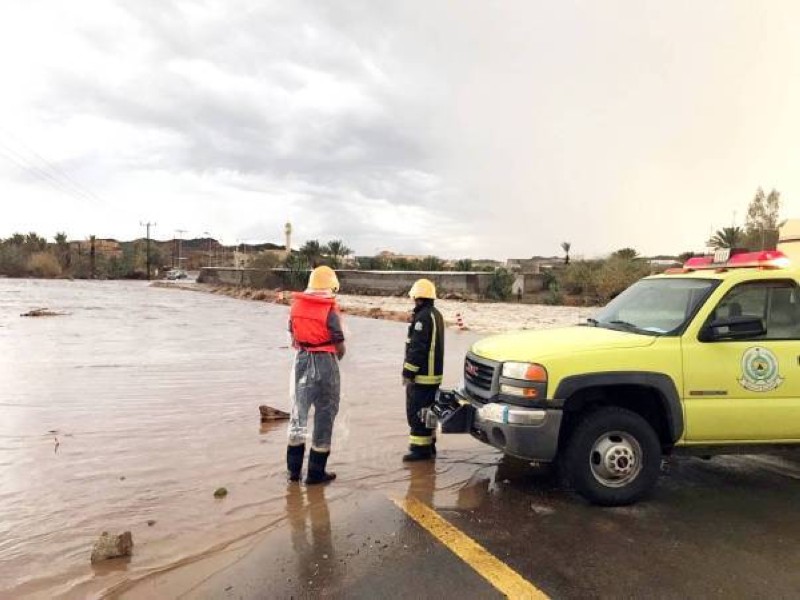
pixel 763 221
pixel 33 256
pixel 566 247
pixel 500 285
pixel 727 237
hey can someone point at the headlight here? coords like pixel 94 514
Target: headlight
pixel 525 371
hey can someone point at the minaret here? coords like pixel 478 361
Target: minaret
pixel 288 231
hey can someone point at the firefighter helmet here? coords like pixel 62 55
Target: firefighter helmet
pixel 423 288
pixel 323 278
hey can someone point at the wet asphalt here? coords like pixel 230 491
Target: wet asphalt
pixel 725 528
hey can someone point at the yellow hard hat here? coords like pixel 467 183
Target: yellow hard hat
pixel 423 288
pixel 323 278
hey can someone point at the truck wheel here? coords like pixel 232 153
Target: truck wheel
pixel 613 457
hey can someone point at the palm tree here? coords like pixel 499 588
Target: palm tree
pixel 63 249
pixel 727 237
pixel 34 243
pixel 312 252
pixel 566 247
pixel 431 263
pixel 465 264
pixel 337 249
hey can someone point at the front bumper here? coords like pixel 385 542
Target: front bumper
pixel 527 433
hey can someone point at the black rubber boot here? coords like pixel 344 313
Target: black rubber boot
pixel 294 461
pixel 419 453
pixel 316 468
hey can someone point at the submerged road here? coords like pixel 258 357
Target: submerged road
pixel 714 529
pixel 152 396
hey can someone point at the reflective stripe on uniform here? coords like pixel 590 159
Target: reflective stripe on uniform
pixel 420 440
pixel 432 351
pixel 428 379
pixel 410 367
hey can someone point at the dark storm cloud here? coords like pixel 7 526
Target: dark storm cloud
pixel 263 92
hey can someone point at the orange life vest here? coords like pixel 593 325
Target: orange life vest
pixel 309 320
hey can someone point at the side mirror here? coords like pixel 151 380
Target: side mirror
pixel 733 328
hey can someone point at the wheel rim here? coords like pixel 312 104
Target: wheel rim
pixel 616 459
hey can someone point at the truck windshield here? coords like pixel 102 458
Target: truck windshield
pixel 655 306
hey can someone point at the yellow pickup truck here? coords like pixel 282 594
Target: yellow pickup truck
pixel 702 359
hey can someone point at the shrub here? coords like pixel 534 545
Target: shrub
pixel 44 265
pixel 581 277
pixel 295 277
pixel 616 274
pixel 500 285
pixel 554 297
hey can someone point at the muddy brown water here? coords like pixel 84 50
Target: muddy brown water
pixel 140 402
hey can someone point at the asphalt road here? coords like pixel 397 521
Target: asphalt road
pixel 725 528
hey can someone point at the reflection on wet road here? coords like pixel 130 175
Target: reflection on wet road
pixel 153 397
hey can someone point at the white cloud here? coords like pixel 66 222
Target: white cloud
pixel 464 128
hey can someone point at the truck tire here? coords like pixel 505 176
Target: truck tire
pixel 613 457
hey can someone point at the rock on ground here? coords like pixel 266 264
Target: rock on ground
pixel 112 546
pixel 271 414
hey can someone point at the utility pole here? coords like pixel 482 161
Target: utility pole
pixel 148 225
pixel 180 233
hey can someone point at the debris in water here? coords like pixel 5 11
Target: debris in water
pixel 220 492
pixel 57 444
pixel 150 522
pixel 112 546
pixel 271 414
pixel 42 312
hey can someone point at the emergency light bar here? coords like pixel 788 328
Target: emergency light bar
pixel 765 259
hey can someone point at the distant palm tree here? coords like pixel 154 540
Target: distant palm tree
pixel 727 237
pixel 337 250
pixel 34 243
pixel 566 247
pixel 62 246
pixel 431 263
pixel 465 264
pixel 311 251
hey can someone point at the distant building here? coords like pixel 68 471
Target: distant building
pixel 102 247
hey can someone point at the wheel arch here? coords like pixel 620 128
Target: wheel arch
pixel 625 388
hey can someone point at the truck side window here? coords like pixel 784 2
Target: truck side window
pixel 776 302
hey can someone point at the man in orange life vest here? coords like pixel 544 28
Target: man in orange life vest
pixel 423 368
pixel 319 340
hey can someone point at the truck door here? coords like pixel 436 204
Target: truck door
pixel 747 390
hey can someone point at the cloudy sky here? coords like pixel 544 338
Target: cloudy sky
pixel 461 128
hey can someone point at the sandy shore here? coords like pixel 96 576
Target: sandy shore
pixel 481 317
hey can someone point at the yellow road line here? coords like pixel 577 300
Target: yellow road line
pixel 488 566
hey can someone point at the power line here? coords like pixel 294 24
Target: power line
pixel 46 168
pixel 42 175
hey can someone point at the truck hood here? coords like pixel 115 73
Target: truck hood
pixel 532 346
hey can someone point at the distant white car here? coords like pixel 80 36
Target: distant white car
pixel 176 274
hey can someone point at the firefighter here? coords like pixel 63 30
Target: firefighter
pixel 423 368
pixel 317 336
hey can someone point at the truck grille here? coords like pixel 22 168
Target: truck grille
pixel 478 374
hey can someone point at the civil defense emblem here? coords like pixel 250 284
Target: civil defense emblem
pixel 760 370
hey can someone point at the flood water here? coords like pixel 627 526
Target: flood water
pixel 140 401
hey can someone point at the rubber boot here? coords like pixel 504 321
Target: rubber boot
pixel 294 461
pixel 316 468
pixel 419 453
